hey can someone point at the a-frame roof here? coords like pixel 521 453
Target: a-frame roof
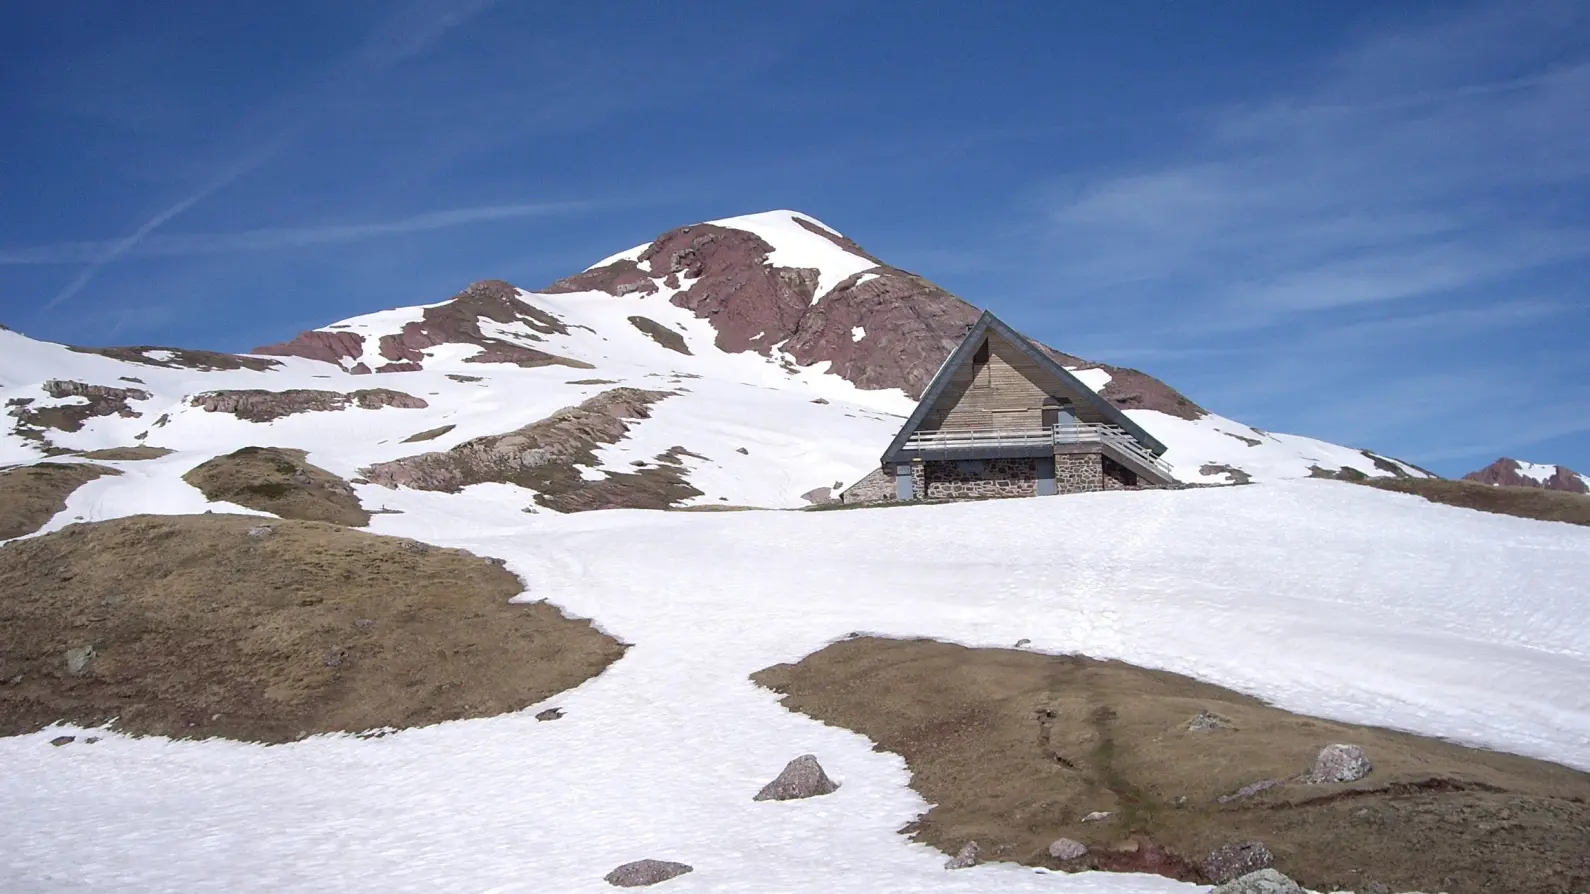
pixel 963 354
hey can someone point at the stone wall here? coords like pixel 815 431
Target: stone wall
pixel 1117 476
pixel 876 486
pixel 962 479
pixel 1076 473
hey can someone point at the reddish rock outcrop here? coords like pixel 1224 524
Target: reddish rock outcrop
pixel 1508 472
pixel 98 400
pixel 256 405
pixel 911 325
pixel 319 344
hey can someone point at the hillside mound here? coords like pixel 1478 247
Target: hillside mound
pixel 280 481
pixel 1516 473
pixel 32 495
pixel 256 405
pixel 128 454
pixel 218 625
pixel 1522 502
pixel 1014 749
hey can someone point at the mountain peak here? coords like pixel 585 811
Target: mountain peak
pixel 1510 472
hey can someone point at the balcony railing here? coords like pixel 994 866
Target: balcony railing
pixel 1064 433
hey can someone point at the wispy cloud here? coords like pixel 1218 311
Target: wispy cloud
pixel 277 238
pixel 403 34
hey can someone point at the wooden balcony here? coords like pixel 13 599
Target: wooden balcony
pixel 1063 438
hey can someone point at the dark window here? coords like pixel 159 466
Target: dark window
pixel 982 353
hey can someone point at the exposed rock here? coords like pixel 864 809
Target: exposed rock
pixel 1249 790
pixel 623 277
pixel 96 400
pixel 460 377
pixel 1508 472
pixel 1067 849
pixel 1233 474
pixel 181 358
pixel 1097 816
pixel 127 454
pixel 968 855
pixel 280 481
pixel 78 659
pixel 1205 721
pixel 545 456
pixel 1263 881
pixel 1340 763
pixel 645 872
pixel 1236 860
pixel 550 714
pixel 256 405
pixel 58 741
pixel 318 344
pixel 261 531
pixel 660 334
pixel 430 434
pixel 818 495
pixel 802 777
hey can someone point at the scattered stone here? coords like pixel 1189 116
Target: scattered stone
pixel 415 546
pixel 1236 860
pixel 365 623
pixel 802 777
pixel 1097 816
pixel 645 872
pixel 1264 881
pixel 742 450
pixel 1340 763
pixel 261 531
pixel 1376 888
pixel 1022 642
pixel 1067 849
pixel 78 659
pixel 1249 790
pixel 58 741
pixel 549 714
pixel 91 740
pixel 496 561
pixel 1206 721
pixel 968 855
pixel 335 657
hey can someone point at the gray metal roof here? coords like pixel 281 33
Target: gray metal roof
pixel 968 346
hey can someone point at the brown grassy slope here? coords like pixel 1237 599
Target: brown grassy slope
pixel 32 495
pixel 200 629
pixel 279 480
pixel 1014 748
pixel 1522 502
pixel 126 454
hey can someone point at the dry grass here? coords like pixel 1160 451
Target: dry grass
pixel 1014 748
pixel 126 454
pixel 430 434
pixel 200 629
pixel 32 495
pixel 280 481
pixel 1521 502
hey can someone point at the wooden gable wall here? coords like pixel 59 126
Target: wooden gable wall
pixel 1006 392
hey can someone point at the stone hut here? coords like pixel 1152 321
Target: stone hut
pixel 1002 419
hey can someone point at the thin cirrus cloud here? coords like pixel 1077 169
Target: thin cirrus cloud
pixel 276 238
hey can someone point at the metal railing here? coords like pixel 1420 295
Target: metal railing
pixel 1064 433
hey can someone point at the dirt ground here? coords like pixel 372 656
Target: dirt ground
pixel 1015 748
pixel 127 453
pixel 279 480
pixel 1523 502
pixel 32 495
pixel 199 628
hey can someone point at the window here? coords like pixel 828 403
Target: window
pixel 982 353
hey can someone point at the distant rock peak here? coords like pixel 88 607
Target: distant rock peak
pixel 1509 472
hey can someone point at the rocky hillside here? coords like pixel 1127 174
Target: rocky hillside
pixel 788 355
pixel 1509 472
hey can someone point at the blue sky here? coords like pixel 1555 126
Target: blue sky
pixel 1366 222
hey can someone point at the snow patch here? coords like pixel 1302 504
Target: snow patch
pixel 858 333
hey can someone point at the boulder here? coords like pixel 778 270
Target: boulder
pixel 1236 860
pixel 968 855
pixel 645 872
pixel 1205 722
pixel 1067 849
pixel 1264 881
pixel 1340 763
pixel 78 659
pixel 802 777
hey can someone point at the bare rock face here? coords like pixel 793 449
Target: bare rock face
pixel 1264 881
pixel 641 873
pixel 98 400
pixel 911 324
pixel 802 777
pixel 544 457
pixel 1067 849
pixel 1340 763
pixel 317 344
pixel 456 321
pixel 969 855
pixel 1508 472
pixel 1236 860
pixel 255 405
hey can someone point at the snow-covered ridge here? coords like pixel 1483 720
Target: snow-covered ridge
pixel 796 246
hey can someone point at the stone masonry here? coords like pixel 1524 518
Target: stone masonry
pixel 1117 476
pixel 1076 473
pixel 962 479
pixel 876 486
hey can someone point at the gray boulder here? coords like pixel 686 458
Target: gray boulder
pixel 1206 721
pixel 1264 881
pixel 1340 763
pixel 968 855
pixel 78 659
pixel 1237 860
pixel 803 777
pixel 641 873
pixel 1067 849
